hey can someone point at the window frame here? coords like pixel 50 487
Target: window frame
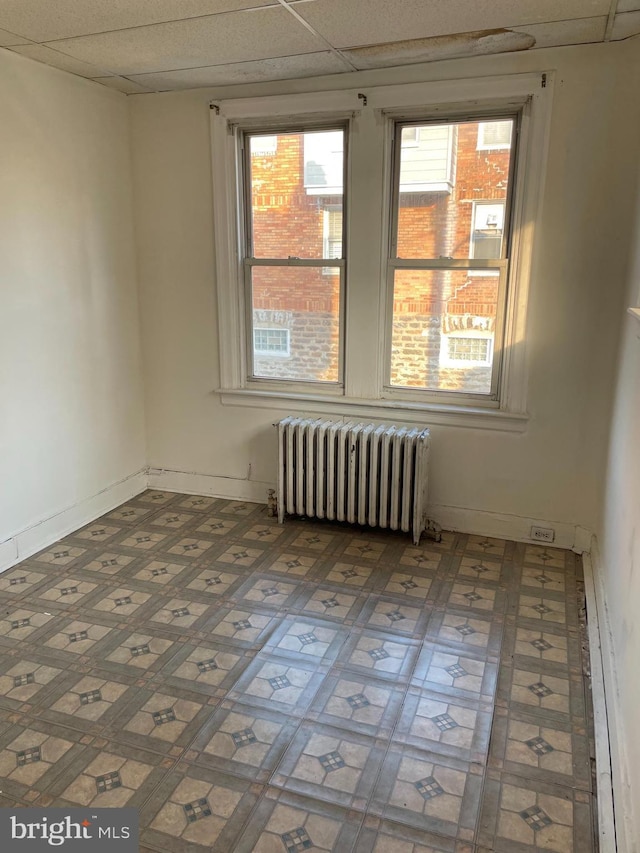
pixel 481 266
pixel 366 221
pixel 244 133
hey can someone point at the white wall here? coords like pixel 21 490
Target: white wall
pixel 618 562
pixel 540 474
pixel 71 416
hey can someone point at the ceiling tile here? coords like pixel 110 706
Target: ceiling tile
pixel 44 20
pixel 436 48
pixel 628 5
pixel 59 60
pixel 347 23
pixel 260 34
pixel 578 31
pixel 626 25
pixel 7 39
pixel 283 68
pixel 129 87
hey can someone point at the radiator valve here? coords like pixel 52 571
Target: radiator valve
pixel 433 530
pixel 272 503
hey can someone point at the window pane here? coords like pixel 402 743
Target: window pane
pixel 444 178
pixel 443 330
pixel 295 178
pixel 296 326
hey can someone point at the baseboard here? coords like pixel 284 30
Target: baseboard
pixel 48 530
pixel 504 526
pixel 190 483
pixel 596 627
pixel 475 521
pixel 623 804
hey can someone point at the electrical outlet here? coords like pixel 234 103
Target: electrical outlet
pixel 543 534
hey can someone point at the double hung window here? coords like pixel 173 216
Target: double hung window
pixel 379 253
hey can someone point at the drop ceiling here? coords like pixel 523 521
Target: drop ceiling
pixel 162 45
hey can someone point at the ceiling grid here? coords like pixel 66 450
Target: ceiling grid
pixel 164 45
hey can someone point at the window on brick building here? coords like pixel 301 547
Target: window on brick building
pixel 494 134
pixel 487 229
pixel 332 235
pixel 271 342
pixel 466 350
pixel 293 253
pixel 448 264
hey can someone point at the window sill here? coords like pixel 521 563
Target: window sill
pixel 351 407
pixel 635 312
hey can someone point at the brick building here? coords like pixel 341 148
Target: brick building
pixel 452 197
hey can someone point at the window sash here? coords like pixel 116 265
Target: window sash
pixel 406 392
pixel 396 156
pixel 246 219
pixel 474 265
pixel 318 263
pixel 248 261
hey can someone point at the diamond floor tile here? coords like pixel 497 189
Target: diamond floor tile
pixel 257 688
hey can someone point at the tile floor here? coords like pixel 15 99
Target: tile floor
pixel 255 687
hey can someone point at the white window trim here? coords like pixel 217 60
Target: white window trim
pixel 363 393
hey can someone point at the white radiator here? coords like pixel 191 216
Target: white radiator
pixel 362 473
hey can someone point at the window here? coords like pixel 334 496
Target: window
pixel 465 350
pixel 379 255
pixel 291 237
pixel 494 134
pixel 263 146
pixel 332 235
pixel 270 342
pixel 439 240
pixel 487 229
pixel 469 350
pixel 410 136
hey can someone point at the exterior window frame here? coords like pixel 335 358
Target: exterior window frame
pixel 370 114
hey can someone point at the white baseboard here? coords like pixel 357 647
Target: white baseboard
pixel 622 803
pixel 48 530
pixel 190 483
pixel 601 710
pixel 503 526
pixel 475 521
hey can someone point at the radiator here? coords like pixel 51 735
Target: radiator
pixel 366 474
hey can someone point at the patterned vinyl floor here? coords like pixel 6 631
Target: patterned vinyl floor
pixel 255 687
